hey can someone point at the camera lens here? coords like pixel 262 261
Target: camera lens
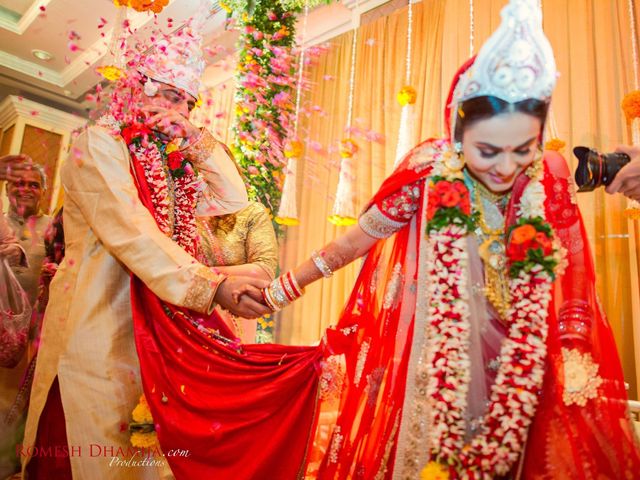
pixel 597 169
pixel 584 175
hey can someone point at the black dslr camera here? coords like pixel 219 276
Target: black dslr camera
pixel 597 169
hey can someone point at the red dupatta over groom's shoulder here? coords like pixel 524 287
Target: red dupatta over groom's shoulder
pixel 221 410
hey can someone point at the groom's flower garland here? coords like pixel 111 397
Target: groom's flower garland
pixel 164 165
pixel 513 399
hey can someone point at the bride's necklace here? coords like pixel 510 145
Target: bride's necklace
pixel 490 229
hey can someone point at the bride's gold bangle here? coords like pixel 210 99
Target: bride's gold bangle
pixel 321 264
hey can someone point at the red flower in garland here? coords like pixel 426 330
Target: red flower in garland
pixel 517 252
pixel 446 194
pixel 175 159
pixel 432 208
pixel 544 242
pixel 450 198
pixel 136 130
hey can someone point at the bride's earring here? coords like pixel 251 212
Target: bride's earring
pixel 535 169
pixel 455 161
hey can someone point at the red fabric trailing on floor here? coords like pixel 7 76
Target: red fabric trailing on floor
pixel 52 436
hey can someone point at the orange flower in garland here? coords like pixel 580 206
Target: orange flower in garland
pixel 293 149
pixel 407 95
pixel 435 471
pixel 142 428
pixel 523 234
pixel 348 148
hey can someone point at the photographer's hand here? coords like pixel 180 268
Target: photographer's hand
pixel 627 181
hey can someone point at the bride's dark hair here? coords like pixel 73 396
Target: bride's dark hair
pixel 481 108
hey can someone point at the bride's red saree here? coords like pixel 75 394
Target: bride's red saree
pixel 259 411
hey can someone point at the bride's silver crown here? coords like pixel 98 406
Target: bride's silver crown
pixel 516 63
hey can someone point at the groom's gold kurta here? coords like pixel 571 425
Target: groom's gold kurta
pixel 87 337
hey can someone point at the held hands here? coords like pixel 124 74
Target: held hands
pixel 627 181
pixel 242 296
pixel 253 297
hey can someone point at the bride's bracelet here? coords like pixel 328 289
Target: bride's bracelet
pixel 321 264
pixel 282 291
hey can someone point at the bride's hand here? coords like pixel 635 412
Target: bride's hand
pixel 251 291
pixel 230 296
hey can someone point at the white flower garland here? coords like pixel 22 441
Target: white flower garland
pixel 154 172
pixel 448 330
pixel 186 191
pixel 513 397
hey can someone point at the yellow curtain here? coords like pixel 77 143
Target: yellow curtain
pixel 592 44
pixel 380 59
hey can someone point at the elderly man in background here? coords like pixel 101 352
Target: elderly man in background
pixel 29 224
pixel 11 168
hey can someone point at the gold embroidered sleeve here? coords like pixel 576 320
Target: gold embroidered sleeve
pixel 202 290
pixel 200 150
pixel 377 225
pixel 262 246
pixel 386 217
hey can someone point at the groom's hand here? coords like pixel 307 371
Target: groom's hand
pixel 251 291
pixel 229 296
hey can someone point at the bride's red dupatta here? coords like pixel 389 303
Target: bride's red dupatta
pixel 221 410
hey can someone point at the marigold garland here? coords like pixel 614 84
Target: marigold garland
pixel 142 414
pixel 434 471
pixel 142 428
pixel 293 149
pixel 555 144
pixel 144 440
pixel 407 95
pixel 154 6
pixel 348 148
pixel 631 105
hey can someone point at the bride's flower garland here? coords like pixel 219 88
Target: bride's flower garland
pixel 171 180
pixel 530 254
